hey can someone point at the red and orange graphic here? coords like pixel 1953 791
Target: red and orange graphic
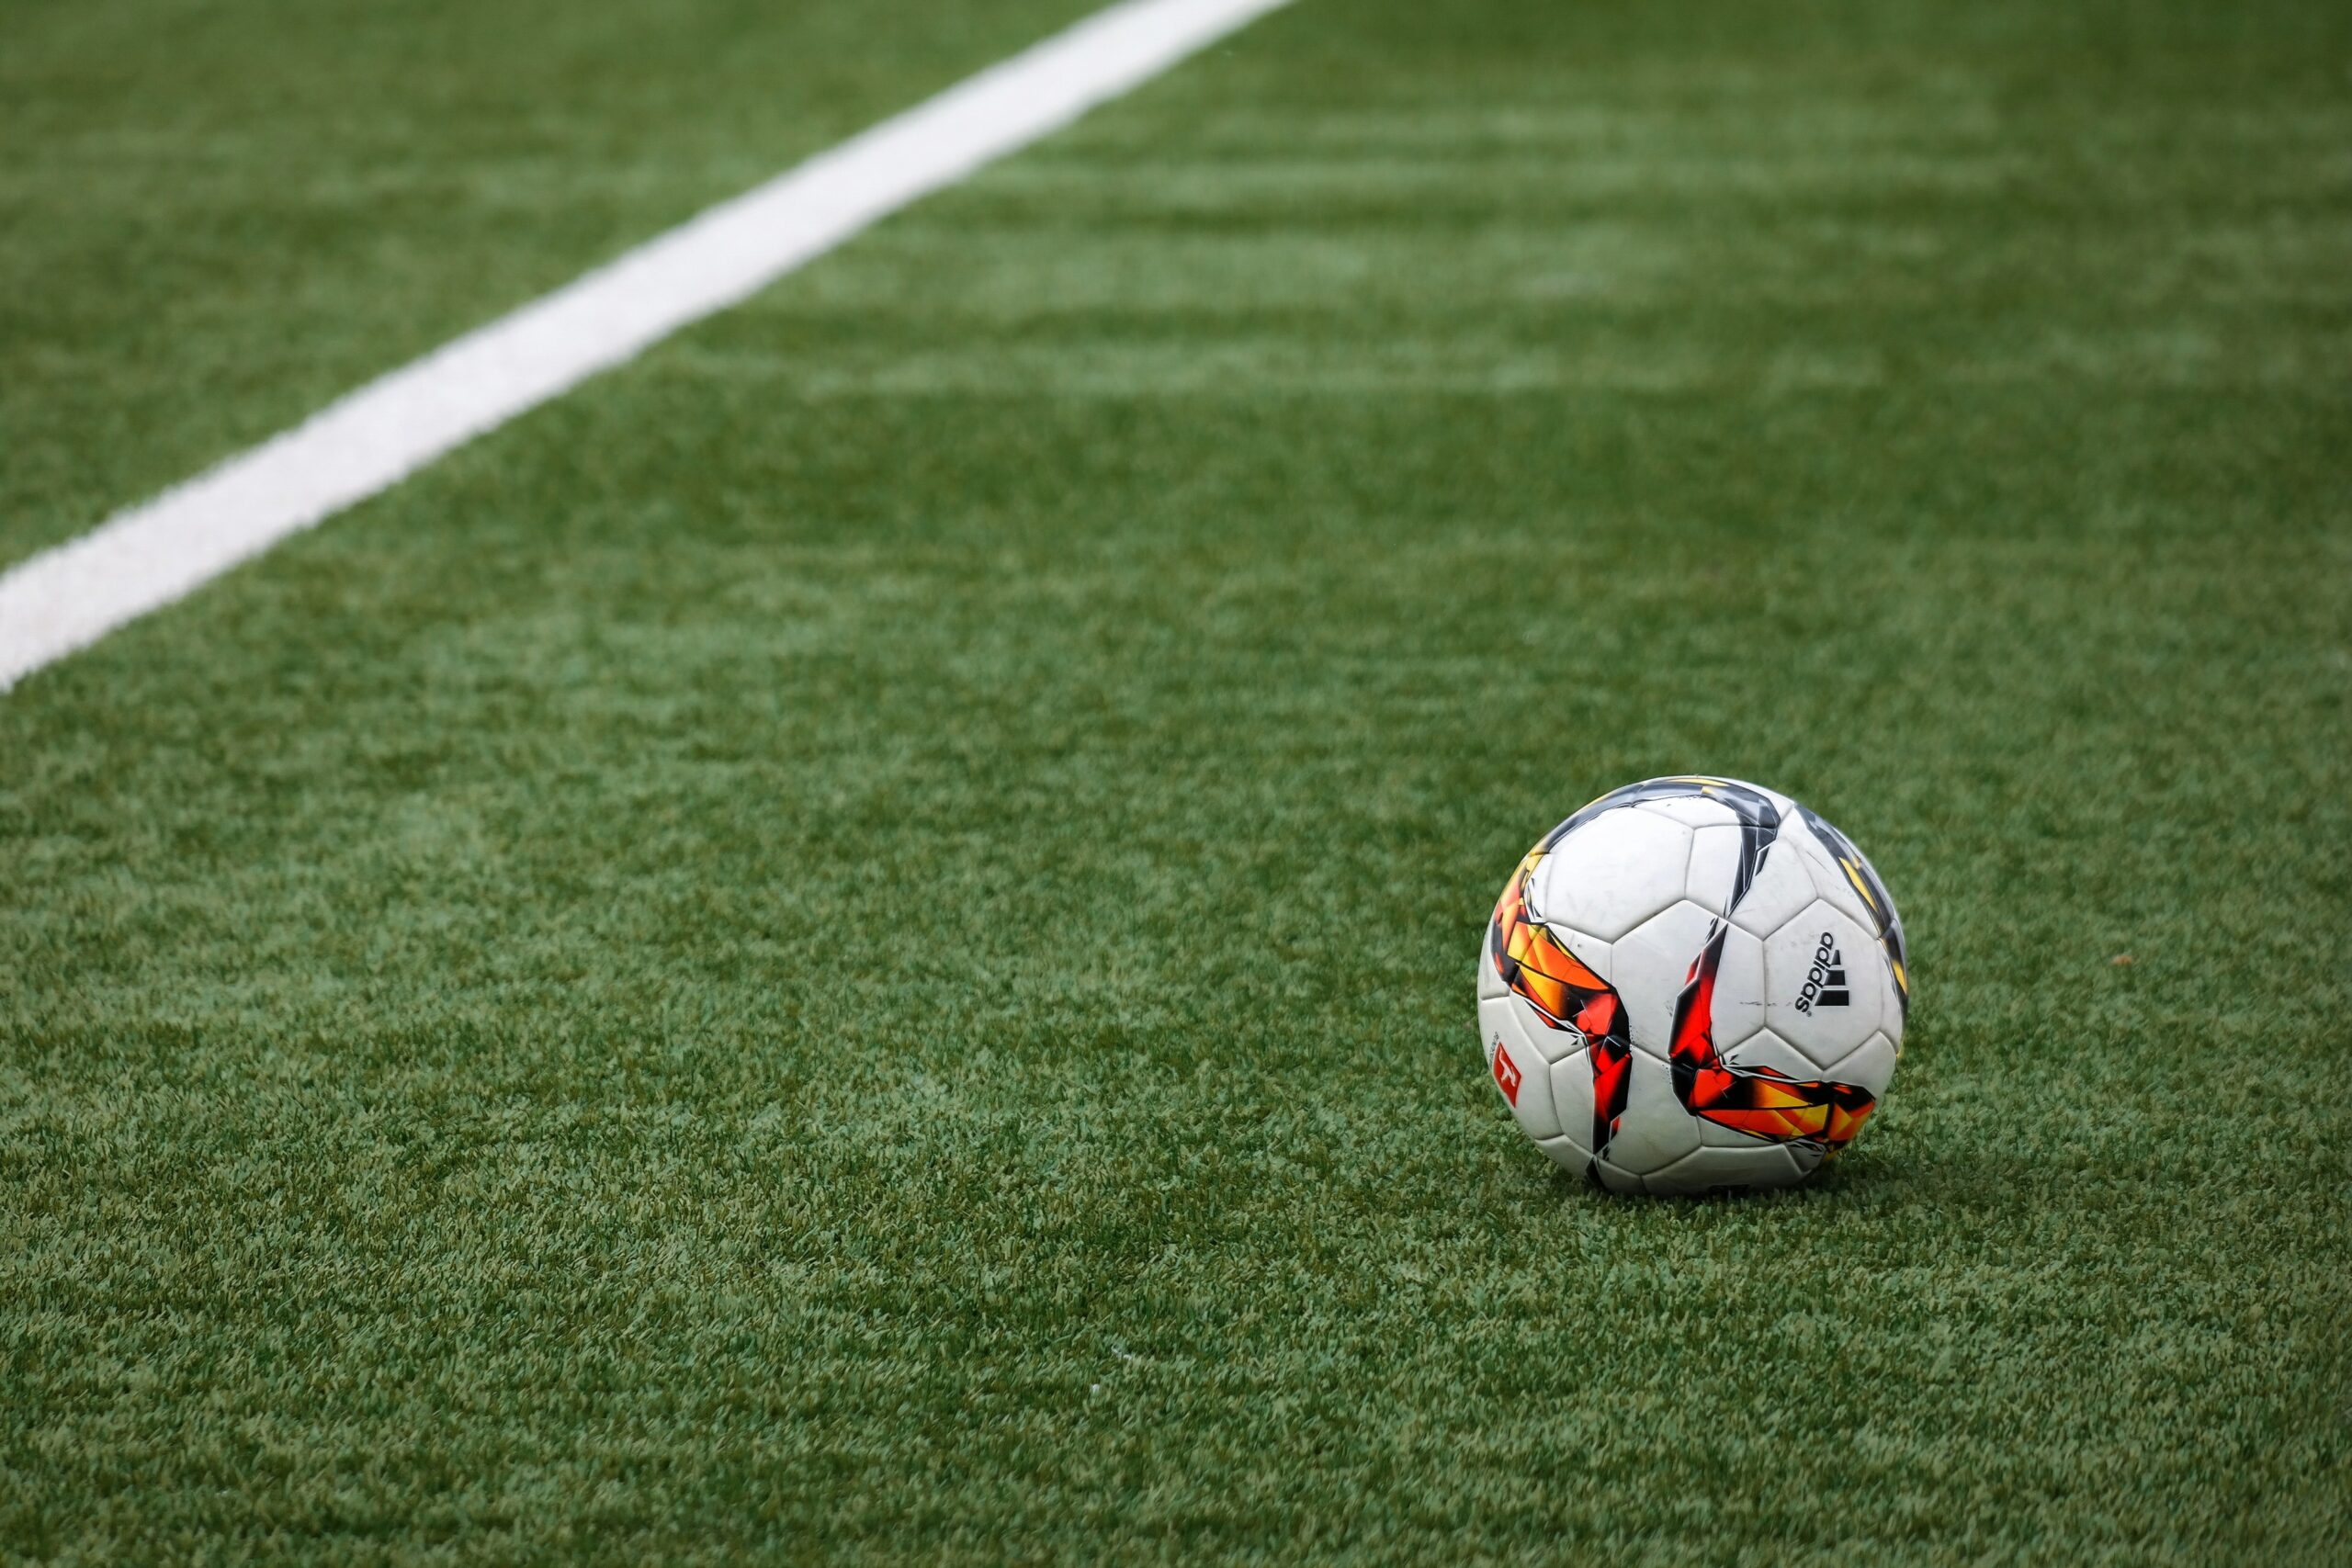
pixel 1566 994
pixel 1758 1101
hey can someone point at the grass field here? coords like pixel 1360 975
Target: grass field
pixel 856 940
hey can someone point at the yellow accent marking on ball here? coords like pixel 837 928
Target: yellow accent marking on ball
pixel 1856 878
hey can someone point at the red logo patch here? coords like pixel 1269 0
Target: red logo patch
pixel 1506 1075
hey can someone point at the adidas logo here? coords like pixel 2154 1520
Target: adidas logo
pixel 1825 983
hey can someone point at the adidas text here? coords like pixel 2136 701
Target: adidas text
pixel 1825 983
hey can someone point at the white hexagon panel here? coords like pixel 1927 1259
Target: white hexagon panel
pixel 1870 1067
pixel 1845 877
pixel 1567 1154
pixel 1825 982
pixel 1612 873
pixel 1655 1131
pixel 1713 1169
pixel 1572 1097
pixel 1490 979
pixel 1779 888
pixel 1832 883
pixel 1691 810
pixel 1650 964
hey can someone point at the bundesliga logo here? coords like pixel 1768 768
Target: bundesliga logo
pixel 1506 1074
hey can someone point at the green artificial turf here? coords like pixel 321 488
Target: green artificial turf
pixel 217 215
pixel 856 942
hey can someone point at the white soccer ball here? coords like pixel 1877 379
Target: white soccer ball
pixel 1693 983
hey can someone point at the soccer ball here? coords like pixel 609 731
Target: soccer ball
pixel 1691 983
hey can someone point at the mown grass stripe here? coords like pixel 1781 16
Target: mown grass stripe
pixel 156 553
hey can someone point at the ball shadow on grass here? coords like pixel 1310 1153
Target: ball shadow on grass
pixel 1844 1177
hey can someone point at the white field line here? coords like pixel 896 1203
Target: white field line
pixel 145 557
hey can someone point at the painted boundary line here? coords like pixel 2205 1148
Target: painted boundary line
pixel 146 557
